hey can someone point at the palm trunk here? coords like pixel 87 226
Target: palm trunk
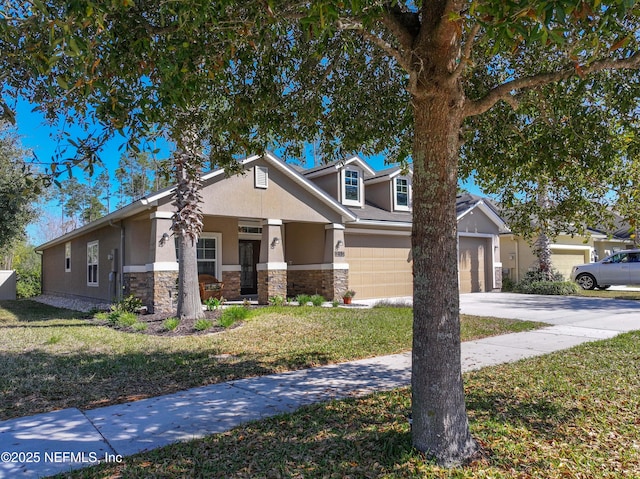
pixel 440 425
pixel 189 304
pixel 542 245
pixel 187 226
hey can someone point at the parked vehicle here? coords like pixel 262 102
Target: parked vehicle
pixel 620 268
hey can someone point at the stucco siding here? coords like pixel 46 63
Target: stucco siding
pixel 74 283
pixel 283 198
pixel 304 243
pixel 380 195
pixel 477 222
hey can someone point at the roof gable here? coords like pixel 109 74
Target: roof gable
pixel 467 203
pixel 336 166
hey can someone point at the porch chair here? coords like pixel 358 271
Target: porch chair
pixel 210 287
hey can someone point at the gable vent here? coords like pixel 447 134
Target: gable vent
pixel 261 176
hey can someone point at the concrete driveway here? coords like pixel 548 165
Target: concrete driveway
pixel 596 313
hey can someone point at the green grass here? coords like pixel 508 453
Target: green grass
pixel 572 414
pixel 52 359
pixel 632 295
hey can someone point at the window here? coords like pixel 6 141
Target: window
pixel 352 187
pixel 208 252
pixel 92 263
pixel 402 194
pixel 67 257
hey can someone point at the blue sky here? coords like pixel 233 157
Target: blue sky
pixel 40 138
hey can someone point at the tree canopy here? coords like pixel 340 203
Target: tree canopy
pixel 19 188
pixel 393 77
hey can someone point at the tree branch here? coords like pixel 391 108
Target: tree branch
pixel 466 51
pixel 504 91
pixel 405 26
pixel 349 24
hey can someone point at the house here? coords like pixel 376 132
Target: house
pixel 567 250
pixel 479 257
pixel 272 230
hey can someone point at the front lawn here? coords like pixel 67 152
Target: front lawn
pixel 571 414
pixel 53 359
pixel 613 294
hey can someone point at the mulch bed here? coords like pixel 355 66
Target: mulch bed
pixel 155 325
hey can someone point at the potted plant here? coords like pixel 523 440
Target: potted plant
pixel 348 294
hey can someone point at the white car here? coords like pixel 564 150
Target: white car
pixel 620 268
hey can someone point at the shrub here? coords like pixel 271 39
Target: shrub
pixel 113 317
pixel 171 323
pixel 544 282
pixel 232 315
pixel 126 319
pixel 317 300
pixel 508 284
pixel 202 324
pixel 547 287
pixel 130 304
pixel 27 283
pixel 213 303
pixel 536 275
pixel 277 301
pixel 303 299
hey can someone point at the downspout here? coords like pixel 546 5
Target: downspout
pixel 119 282
pixel 121 265
pixel 517 258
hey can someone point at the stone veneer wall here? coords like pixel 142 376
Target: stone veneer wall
pixel 164 289
pixel 137 284
pixel 330 283
pixel 271 283
pixel 231 280
pixel 158 290
pixel 498 276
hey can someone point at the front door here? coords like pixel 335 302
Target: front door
pixel 249 257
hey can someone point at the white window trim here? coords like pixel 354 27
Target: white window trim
pixel 343 181
pixel 67 257
pixel 218 238
pixel 396 206
pixel 90 245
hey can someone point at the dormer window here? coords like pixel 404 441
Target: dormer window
pixel 351 187
pixel 401 194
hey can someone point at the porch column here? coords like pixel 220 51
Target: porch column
pixel 335 269
pixel 272 268
pixel 162 268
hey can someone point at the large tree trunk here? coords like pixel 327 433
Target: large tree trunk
pixel 440 424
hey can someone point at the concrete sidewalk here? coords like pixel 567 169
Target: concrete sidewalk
pixel 55 442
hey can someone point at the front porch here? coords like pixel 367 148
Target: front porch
pixel 252 257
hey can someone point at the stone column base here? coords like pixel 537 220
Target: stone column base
pixel 271 283
pixel 330 283
pixel 231 280
pixel 158 290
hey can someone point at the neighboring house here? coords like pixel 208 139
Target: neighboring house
pixel 566 250
pixel 479 258
pixel 271 231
